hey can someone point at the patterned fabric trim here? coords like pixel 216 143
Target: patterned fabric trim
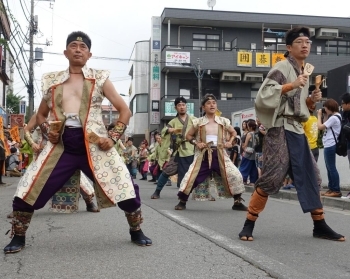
pixel 135 219
pixel 277 76
pixel 20 222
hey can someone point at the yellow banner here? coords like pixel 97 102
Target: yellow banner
pixel 14 132
pixel 277 57
pixel 262 59
pixel 244 58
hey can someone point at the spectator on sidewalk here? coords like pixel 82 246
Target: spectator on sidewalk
pixel 13 163
pixel 332 124
pixel 248 167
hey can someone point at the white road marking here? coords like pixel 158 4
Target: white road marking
pixel 271 266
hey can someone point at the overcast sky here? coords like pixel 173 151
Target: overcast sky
pixel 115 25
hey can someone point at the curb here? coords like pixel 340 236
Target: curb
pixel 343 204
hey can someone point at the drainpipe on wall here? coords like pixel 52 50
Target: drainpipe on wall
pixel 168 32
pixel 166 84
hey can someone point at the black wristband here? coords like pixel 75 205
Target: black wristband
pixel 115 141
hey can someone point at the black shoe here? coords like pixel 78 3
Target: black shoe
pixel 140 239
pixel 156 195
pixel 152 180
pixel 2 183
pixel 322 230
pixel 238 205
pixel 181 205
pixel 247 232
pixel 17 244
pixel 143 178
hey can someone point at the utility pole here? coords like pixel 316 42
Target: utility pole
pixel 199 72
pixel 199 85
pixel 31 60
pixel 33 29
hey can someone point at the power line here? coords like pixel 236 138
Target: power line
pixel 118 59
pixel 25 14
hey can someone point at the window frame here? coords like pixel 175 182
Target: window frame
pixel 205 40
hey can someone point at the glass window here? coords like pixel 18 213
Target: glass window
pixel 206 42
pixel 213 37
pixel 199 36
pixel 186 93
pixel 139 104
pixel 338 48
pixel 212 45
pixel 199 45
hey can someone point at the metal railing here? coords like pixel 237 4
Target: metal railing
pixel 217 49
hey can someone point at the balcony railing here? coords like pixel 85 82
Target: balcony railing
pixel 217 49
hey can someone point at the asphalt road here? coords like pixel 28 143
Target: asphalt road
pixel 200 242
pixel 97 245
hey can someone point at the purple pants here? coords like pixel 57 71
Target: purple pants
pixel 73 158
pixel 203 172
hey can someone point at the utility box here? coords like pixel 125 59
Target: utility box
pixel 38 54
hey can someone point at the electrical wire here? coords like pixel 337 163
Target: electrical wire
pixel 25 14
pixel 119 59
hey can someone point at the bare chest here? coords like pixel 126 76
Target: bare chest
pixel 72 94
pixel 211 128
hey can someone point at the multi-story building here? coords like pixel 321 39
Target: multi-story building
pixel 109 114
pixel 228 54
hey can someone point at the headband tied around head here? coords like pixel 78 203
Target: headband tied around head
pixel 81 38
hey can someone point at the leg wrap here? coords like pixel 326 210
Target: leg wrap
pixel 257 204
pixel 134 219
pixel 90 206
pixel 20 222
pixel 317 214
pixel 88 198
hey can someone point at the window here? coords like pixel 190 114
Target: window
pixel 206 42
pixel 188 88
pixel 337 48
pixel 139 104
pixel 275 44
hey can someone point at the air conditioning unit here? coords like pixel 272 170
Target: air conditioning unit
pixel 227 45
pixel 230 77
pixel 312 32
pixel 253 77
pixel 327 33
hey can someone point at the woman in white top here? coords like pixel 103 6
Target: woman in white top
pixel 332 125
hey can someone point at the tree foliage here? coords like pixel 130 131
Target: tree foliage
pixel 12 102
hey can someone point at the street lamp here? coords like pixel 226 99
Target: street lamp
pixel 199 72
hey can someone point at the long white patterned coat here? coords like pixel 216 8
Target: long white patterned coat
pixel 112 179
pixel 231 177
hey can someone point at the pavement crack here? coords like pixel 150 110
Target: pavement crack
pixel 49 223
pixel 20 265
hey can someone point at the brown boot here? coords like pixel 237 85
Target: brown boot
pixel 135 220
pixel 256 205
pixel 20 224
pixel 90 206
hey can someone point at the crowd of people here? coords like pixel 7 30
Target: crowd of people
pixel 191 150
